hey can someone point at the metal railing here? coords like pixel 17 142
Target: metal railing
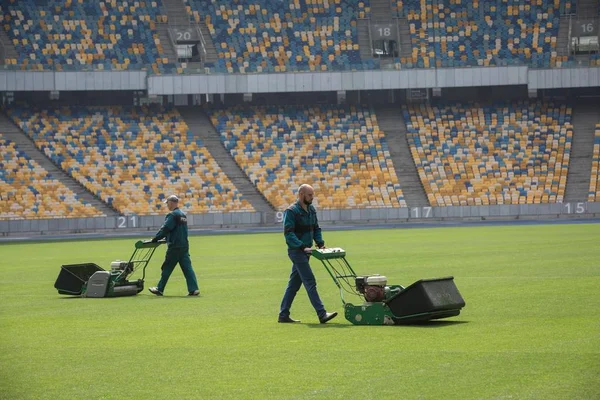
pixel 73 68
pixel 202 42
pixel 398 42
pixel 570 31
pixel 370 37
pixel 173 45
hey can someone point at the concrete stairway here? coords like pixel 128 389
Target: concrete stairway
pixel 392 124
pixel 585 118
pixel 381 10
pixel 364 39
pixel 6 47
pixel 405 41
pixel 201 126
pixel 168 50
pixel 562 41
pixel 587 8
pixel 209 45
pixel 176 12
pixel 11 132
pixel 177 16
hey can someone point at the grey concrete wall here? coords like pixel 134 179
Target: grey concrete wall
pixel 563 78
pixel 28 81
pixel 333 81
pixel 253 219
pixel 299 81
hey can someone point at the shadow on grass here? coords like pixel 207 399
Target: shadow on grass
pixel 328 325
pixel 185 296
pixel 426 324
pixel 434 324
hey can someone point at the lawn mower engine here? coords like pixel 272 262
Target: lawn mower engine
pixel 372 287
pixel 121 267
pixel 119 285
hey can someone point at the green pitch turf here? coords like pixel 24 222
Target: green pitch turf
pixel 530 329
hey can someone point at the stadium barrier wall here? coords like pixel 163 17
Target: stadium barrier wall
pixel 563 78
pixel 299 81
pixel 151 223
pixel 32 81
pixel 334 81
pixel 375 80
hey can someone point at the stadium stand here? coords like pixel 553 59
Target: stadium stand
pixel 500 154
pixel 471 33
pixel 278 36
pixel 132 157
pixel 27 191
pixel 594 193
pixel 67 34
pixel 338 149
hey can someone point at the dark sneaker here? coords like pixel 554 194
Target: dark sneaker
pixel 327 317
pixel 194 293
pixel 286 320
pixel 154 290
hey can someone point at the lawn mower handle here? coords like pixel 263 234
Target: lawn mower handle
pixel 144 244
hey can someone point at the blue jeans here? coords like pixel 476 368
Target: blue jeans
pixel 301 274
pixel 182 256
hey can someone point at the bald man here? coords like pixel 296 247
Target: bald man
pixel 301 228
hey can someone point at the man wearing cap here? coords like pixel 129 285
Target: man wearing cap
pixel 176 231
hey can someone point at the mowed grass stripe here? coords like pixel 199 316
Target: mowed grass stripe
pixel 530 329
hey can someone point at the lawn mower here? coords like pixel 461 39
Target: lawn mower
pixel 89 280
pixel 385 304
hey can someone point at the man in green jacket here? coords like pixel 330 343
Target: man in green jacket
pixel 300 228
pixel 175 229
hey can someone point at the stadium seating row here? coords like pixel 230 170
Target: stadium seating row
pixel 464 33
pixel 338 149
pixel 278 36
pixel 65 34
pixel 479 155
pixel 27 191
pixel 132 157
pixel 283 35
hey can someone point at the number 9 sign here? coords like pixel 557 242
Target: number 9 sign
pixel 279 217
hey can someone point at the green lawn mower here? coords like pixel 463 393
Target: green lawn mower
pixel 89 280
pixel 385 304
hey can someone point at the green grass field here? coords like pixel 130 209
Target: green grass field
pixel 530 329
